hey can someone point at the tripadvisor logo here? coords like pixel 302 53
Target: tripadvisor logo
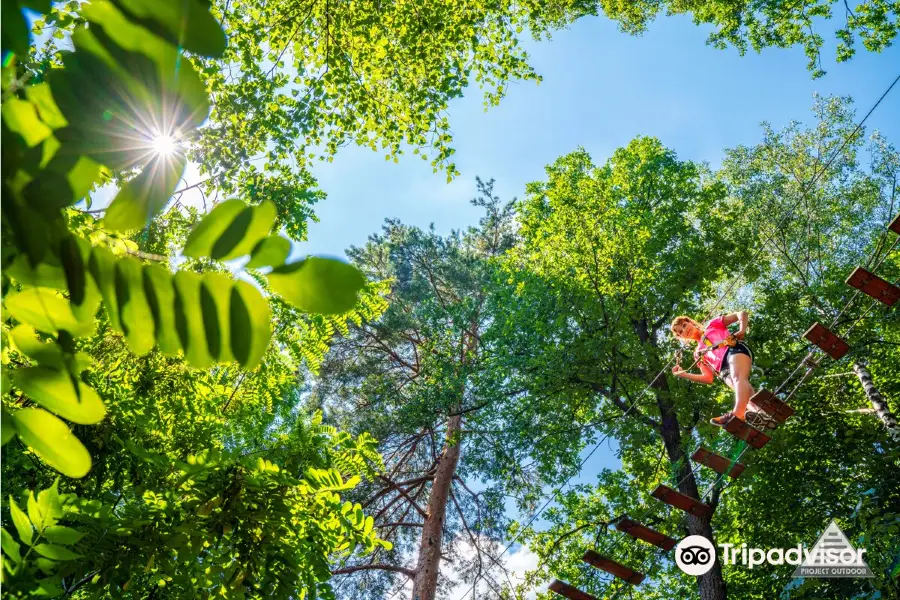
pixel 832 556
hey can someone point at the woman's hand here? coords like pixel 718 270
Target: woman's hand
pixel 740 333
pixel 677 370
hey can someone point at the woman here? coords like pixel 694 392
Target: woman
pixel 721 352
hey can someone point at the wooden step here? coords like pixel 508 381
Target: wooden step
pixel 895 224
pixel 742 431
pixel 833 346
pixel 610 566
pixel 717 462
pixel 773 405
pixel 642 532
pixel 874 286
pixel 681 501
pixel 567 591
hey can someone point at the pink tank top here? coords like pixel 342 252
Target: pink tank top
pixel 715 332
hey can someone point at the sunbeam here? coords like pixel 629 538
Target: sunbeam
pixel 163 144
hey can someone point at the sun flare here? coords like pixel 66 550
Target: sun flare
pixel 163 144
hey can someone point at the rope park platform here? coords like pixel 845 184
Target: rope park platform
pixel 819 336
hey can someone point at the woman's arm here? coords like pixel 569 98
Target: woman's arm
pixel 704 376
pixel 742 316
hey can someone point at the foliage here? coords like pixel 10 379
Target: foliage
pixel 237 526
pixel 167 495
pixel 55 133
pixel 806 234
pixel 299 80
pixel 765 23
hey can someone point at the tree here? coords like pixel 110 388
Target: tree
pixel 879 406
pixel 621 249
pixel 417 378
pixel 761 24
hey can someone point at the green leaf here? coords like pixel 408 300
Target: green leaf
pixel 47 311
pixel 73 266
pixel 52 440
pixel 49 587
pixel 134 310
pixel 143 197
pixel 177 96
pixel 215 294
pixel 318 285
pixel 59 534
pixel 48 273
pixel 15 35
pixel 20 520
pixel 42 98
pixel 37 514
pixel 232 236
pixel 21 117
pixel 29 229
pixel 48 500
pixel 101 266
pixel 189 23
pixel 41 6
pixel 56 552
pixel 250 324
pixel 161 300
pixel 270 252
pixel 230 230
pixel 24 337
pixel 189 319
pixel 205 233
pixel 82 176
pixel 56 391
pixel 84 294
pixel 6 426
pixel 46 565
pixel 10 546
pixel 49 191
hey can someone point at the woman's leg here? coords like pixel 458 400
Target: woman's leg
pixel 740 382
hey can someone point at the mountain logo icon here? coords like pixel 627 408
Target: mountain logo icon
pixel 833 556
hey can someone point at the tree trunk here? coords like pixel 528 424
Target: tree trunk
pixel 428 566
pixel 711 584
pixel 877 400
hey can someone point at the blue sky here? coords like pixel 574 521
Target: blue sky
pixel 601 88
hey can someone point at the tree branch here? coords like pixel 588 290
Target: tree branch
pixel 401 524
pixel 379 567
pixel 405 495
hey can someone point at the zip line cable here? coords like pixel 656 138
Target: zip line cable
pixel 720 299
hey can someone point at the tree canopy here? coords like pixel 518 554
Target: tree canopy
pixel 760 24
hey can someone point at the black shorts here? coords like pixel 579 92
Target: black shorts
pixel 739 348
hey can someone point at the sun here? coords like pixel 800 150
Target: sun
pixel 163 144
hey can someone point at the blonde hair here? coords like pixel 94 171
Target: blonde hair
pixel 681 320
